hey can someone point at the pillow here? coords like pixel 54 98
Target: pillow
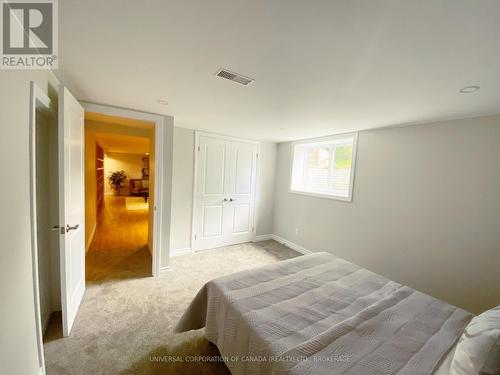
pixel 477 351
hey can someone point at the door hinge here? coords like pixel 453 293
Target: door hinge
pixel 253 229
pixel 257 155
pixel 195 236
pixel 198 148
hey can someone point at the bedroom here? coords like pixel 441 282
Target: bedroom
pixel 366 130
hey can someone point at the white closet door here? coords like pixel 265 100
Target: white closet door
pixel 243 166
pixel 224 193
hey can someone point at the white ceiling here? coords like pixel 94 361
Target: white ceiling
pixel 320 67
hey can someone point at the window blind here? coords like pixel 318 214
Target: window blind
pixel 324 167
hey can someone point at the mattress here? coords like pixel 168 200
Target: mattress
pixel 319 314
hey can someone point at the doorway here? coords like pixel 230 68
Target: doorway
pixel 119 191
pixel 44 190
pixel 160 175
pixel 57 217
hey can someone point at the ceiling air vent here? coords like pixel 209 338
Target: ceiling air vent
pixel 235 77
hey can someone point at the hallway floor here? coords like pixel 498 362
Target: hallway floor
pixel 119 249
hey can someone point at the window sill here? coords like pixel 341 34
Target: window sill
pixel 320 195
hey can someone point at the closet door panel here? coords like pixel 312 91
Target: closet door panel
pixel 224 192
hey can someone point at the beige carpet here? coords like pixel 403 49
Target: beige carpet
pixel 126 319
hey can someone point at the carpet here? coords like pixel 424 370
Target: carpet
pixel 125 322
pixel 136 203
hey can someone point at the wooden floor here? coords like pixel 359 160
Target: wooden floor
pixel 119 249
pixel 119 228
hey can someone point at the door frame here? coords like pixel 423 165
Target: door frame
pixel 39 100
pixel 197 135
pixel 159 168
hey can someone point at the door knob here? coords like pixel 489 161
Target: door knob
pixel 225 199
pixel 232 200
pixel 74 227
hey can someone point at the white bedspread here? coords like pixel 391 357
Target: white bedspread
pixel 319 314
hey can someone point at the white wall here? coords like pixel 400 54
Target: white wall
pixel 425 212
pixel 166 185
pixel 265 189
pixel 182 188
pixel 18 354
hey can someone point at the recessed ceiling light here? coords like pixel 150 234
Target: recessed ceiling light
pixel 162 102
pixel 469 89
pixel 147 153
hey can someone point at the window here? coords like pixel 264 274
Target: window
pixel 324 167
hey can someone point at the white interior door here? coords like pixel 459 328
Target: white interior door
pixel 224 204
pixel 71 206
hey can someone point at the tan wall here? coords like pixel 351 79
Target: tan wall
pixel 90 187
pixel 101 127
pixel 425 210
pixel 132 164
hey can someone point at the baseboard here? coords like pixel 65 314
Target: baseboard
pixel 45 323
pixel 177 252
pixel 262 237
pixel 164 270
pixel 259 238
pixel 92 234
pixel 291 245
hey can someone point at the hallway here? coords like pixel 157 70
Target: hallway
pixel 119 249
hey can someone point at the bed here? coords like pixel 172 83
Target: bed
pixel 320 314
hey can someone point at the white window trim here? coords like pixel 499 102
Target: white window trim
pixel 326 139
